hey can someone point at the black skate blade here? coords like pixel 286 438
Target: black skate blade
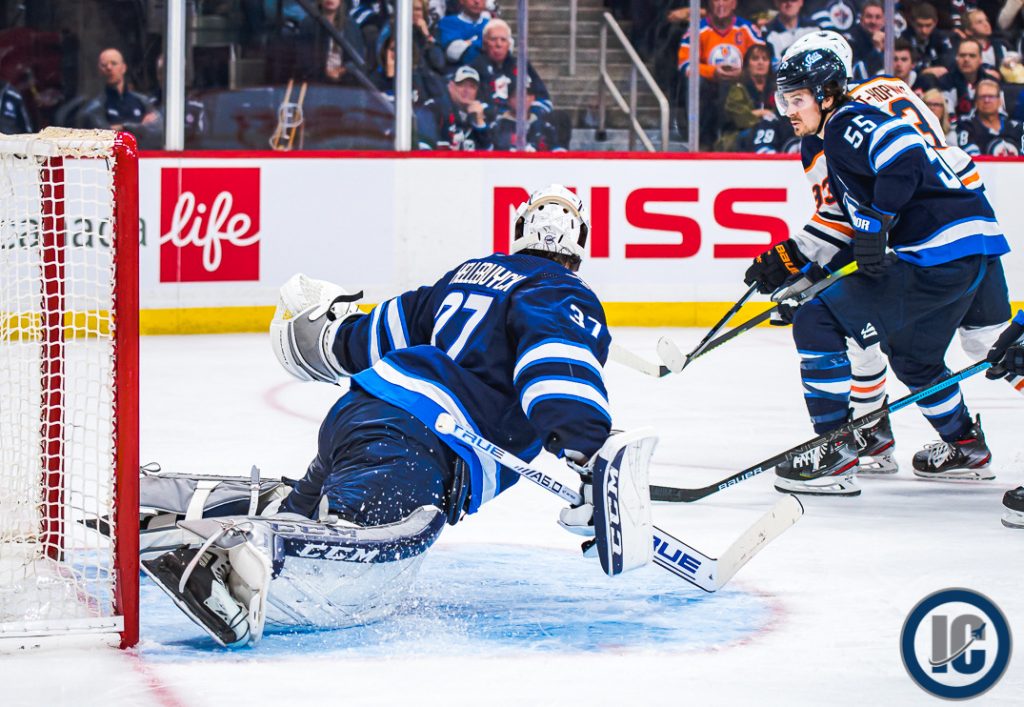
pixel 166 572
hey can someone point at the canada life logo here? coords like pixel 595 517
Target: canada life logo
pixel 956 644
pixel 210 224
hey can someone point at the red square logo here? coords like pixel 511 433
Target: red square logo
pixel 209 224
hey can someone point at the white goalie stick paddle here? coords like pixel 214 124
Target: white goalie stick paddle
pixel 670 553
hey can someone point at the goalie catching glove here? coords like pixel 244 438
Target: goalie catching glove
pixel 309 314
pixel 616 509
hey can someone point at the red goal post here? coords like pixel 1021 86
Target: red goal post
pixel 69 511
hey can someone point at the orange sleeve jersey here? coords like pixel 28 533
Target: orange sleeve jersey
pixel 718 48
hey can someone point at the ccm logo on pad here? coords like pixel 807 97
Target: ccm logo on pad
pixel 209 224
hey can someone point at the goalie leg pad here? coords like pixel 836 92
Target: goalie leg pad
pixel 623 529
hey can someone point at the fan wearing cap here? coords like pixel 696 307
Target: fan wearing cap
pixel 541 136
pixel 463 125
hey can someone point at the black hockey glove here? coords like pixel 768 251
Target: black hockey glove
pixel 774 266
pixel 1007 354
pixel 871 238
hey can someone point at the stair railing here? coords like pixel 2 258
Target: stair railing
pixel 629 108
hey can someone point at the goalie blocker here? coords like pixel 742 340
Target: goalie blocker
pixel 616 512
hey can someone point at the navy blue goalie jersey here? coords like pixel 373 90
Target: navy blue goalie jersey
pixel 512 346
pixel 881 162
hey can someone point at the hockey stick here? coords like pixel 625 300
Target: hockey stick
pixel 700 347
pixel 683 495
pixel 637 363
pixel 670 553
pixel 677 361
pixel 658 370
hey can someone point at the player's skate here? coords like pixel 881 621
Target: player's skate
pixel 1013 500
pixel 875 446
pixel 203 595
pixel 826 470
pixel 967 458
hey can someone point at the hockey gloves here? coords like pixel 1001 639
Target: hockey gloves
pixel 1007 354
pixel 774 266
pixel 872 228
pixel 616 509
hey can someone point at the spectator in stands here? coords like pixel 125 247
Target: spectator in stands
pixel 867 40
pixel 462 35
pixel 540 134
pixel 321 58
pixel 988 130
pixel 932 46
pixel 496 65
pixel 750 100
pixel 978 28
pixel 787 26
pixel 118 108
pixel 462 125
pixel 959 83
pixel 723 40
pixel 13 116
pixel 427 87
pixel 903 62
pixel 936 102
pixel 370 18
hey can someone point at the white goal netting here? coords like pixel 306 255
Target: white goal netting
pixel 58 394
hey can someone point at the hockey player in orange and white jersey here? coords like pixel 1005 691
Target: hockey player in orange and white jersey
pixel 828 232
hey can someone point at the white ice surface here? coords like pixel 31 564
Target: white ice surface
pixel 509 614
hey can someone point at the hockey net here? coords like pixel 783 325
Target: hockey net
pixel 68 384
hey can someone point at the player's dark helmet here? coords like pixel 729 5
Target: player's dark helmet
pixel 820 71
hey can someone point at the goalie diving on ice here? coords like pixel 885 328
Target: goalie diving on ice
pixel 451 387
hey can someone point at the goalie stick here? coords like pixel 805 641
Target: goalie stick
pixel 676 360
pixel 684 495
pixel 670 553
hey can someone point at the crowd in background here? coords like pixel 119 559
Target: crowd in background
pixel 963 58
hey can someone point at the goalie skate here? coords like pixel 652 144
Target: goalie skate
pixel 875 447
pixel 204 598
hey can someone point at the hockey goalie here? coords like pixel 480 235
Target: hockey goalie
pixel 510 346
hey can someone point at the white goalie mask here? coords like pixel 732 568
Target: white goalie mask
pixel 552 220
pixel 828 41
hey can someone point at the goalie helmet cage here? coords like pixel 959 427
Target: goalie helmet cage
pixel 69 509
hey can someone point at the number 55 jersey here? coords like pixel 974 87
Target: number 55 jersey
pixel 828 229
pixel 512 346
pixel 880 163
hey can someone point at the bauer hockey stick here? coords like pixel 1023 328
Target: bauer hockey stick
pixel 670 553
pixel 683 495
pixel 676 361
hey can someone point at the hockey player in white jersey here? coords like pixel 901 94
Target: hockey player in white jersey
pixel 828 233
pixel 510 346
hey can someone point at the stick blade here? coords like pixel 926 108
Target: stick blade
pixel 674 359
pixel 782 516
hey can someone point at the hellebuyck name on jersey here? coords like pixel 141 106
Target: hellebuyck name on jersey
pixel 512 346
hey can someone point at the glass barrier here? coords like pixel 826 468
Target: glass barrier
pixel 320 74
